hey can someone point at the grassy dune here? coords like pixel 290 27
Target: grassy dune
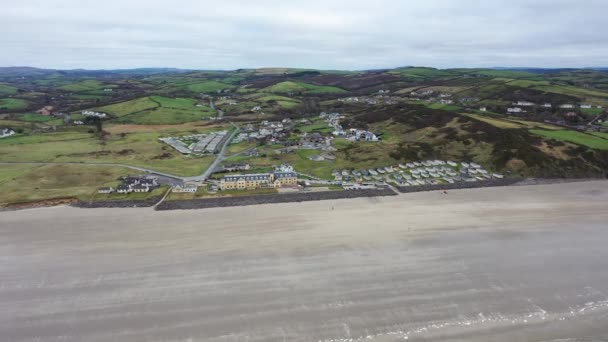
pixel 27 183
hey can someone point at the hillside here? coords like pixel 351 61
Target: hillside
pixel 529 123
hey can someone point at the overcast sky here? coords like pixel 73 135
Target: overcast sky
pixel 324 34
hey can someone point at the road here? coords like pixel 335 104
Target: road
pixel 218 158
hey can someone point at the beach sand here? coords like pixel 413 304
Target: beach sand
pixel 516 263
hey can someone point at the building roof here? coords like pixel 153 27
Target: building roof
pixel 250 177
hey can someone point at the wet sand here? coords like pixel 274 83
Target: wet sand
pixel 497 264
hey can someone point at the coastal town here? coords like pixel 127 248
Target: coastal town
pixel 288 137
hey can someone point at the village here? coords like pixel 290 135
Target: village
pixel 286 136
pixel 197 143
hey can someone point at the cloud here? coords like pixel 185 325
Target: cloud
pixel 316 34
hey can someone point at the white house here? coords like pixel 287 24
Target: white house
pixel 524 103
pixel 547 105
pixel 482 109
pixel 514 110
pixel 6 132
pixel 191 188
pixel 567 106
pixel 585 106
pixel 93 114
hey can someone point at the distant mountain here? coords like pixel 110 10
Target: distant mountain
pixel 31 71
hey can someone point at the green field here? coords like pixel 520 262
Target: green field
pixel 282 101
pixel 7 90
pixel 296 87
pixel 574 137
pixel 422 72
pixel 86 86
pixel 33 117
pixel 157 110
pixel 208 86
pixel 13 104
pixel 316 126
pixel 571 90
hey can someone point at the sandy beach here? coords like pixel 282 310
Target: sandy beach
pixel 520 263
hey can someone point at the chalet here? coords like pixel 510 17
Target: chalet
pixel 123 189
pixel 141 188
pixel 130 181
pixel 236 167
pixel 190 188
pixel 148 181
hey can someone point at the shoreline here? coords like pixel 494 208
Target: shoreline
pixel 461 265
pixel 248 200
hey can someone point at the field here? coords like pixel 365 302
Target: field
pixel 7 90
pixel 301 87
pixel 33 117
pixel 28 183
pixel 282 101
pixel 127 147
pixel 145 105
pixel 317 125
pixel 158 110
pixel 208 86
pixel 86 86
pixel 511 123
pixel 13 104
pixel 579 138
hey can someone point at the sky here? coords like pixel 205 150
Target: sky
pixel 321 34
